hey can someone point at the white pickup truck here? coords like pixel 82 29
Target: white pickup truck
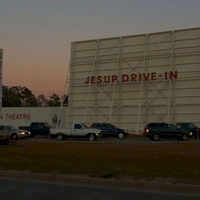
pixel 76 130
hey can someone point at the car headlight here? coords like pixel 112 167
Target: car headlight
pixel 191 133
pixel 23 133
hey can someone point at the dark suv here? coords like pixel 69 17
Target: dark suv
pixel 191 127
pixel 109 130
pixel 155 131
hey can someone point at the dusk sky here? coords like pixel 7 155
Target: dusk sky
pixel 36 35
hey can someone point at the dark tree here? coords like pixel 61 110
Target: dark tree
pixel 54 100
pixel 18 96
pixel 42 101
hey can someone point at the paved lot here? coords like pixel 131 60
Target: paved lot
pixel 45 186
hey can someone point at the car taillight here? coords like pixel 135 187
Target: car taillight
pixel 147 130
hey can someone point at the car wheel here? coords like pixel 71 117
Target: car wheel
pixel 196 136
pixel 179 138
pixel 60 136
pixel 156 137
pixel 185 137
pixel 120 135
pixel 14 136
pixel 49 136
pixel 91 137
pixel 151 138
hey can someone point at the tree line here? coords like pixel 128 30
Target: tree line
pixel 17 96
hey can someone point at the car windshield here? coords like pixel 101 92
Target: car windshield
pixel 11 128
pixel 111 125
pixel 191 126
pixel 47 125
pixel 84 126
pixel 171 126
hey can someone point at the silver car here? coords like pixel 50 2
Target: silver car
pixel 7 131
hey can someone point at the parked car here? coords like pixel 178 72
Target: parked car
pixel 155 131
pixel 109 130
pixel 76 130
pixel 191 127
pixel 11 132
pixel 37 128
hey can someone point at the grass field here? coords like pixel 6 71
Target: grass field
pixel 176 160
